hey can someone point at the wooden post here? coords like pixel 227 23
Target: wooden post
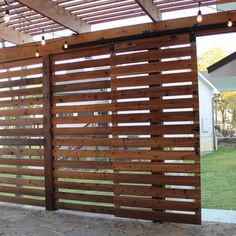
pixel 114 124
pixel 48 158
pixel 157 99
pixel 194 68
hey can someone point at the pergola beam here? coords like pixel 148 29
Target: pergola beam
pixel 56 45
pixel 225 1
pixel 150 9
pixel 14 36
pixel 58 14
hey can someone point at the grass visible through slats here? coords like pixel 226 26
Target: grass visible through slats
pixel 219 179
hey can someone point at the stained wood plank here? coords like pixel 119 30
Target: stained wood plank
pixel 24 201
pixel 22 132
pixel 22 191
pixel 22 142
pixel 22 182
pixel 157 215
pixel 47 94
pixel 85 208
pixel 128 154
pixel 22 162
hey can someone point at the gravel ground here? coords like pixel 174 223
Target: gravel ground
pixel 25 221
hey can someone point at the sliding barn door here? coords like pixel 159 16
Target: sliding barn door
pixel 156 130
pixel 126 129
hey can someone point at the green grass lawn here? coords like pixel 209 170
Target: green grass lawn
pixel 219 179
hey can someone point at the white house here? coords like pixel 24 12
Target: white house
pixel 206 95
pixel 222 74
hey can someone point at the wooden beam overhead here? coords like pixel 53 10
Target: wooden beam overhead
pixel 58 14
pixel 56 45
pixel 150 9
pixel 225 1
pixel 14 36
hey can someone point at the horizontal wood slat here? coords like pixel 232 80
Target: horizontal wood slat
pixel 23 191
pixel 22 182
pixel 25 162
pixel 157 215
pixel 22 102
pixel 21 200
pixel 85 208
pixel 134 142
pixel 126 154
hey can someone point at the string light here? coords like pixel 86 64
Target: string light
pixel 199 15
pixel 43 41
pixel 37 53
pixel 7 16
pixel 230 23
pixel 65 45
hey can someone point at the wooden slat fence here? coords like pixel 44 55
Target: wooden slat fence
pixel 21 133
pixel 121 129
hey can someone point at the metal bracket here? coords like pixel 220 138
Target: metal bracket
pixel 112 48
pixel 197 148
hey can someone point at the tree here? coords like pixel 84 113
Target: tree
pixel 226 104
pixel 232 106
pixel 211 57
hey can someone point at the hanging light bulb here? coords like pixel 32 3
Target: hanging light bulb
pixel 7 16
pixel 37 53
pixel 199 14
pixel 65 45
pixel 43 41
pixel 230 23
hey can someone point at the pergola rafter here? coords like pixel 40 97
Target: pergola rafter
pixel 32 18
pixel 58 14
pixel 150 9
pixel 14 36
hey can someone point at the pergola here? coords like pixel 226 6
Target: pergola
pixel 30 18
pixel 109 124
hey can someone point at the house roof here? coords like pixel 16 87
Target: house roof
pixel 222 62
pixel 204 76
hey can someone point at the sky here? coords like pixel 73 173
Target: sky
pixel 225 41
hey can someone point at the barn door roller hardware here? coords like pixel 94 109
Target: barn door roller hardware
pixel 147 34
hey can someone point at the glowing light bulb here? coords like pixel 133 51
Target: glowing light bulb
pixel 230 23
pixel 37 53
pixel 7 16
pixel 43 41
pixel 199 16
pixel 65 45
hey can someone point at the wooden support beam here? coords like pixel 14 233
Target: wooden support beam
pixel 150 9
pixel 47 123
pixel 225 1
pixel 58 14
pixel 14 36
pixel 56 45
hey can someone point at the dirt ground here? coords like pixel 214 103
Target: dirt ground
pixel 23 221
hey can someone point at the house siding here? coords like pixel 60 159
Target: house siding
pixel 206 94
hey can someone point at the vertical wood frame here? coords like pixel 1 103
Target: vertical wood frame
pixel 47 124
